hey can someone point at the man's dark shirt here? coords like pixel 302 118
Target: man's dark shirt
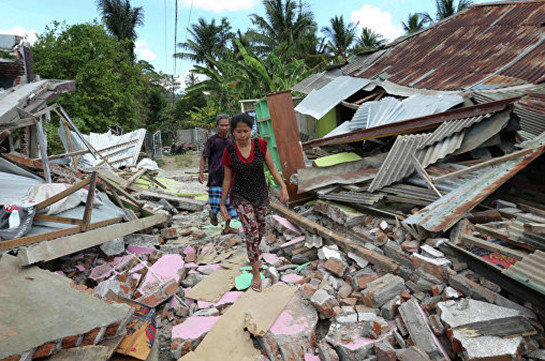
pixel 213 150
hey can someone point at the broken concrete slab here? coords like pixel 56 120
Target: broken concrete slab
pixel 214 286
pixel 339 213
pixel 421 334
pixel 56 248
pixel 85 320
pixel 457 314
pixel 185 203
pixel 254 312
pixel 350 344
pixel 382 290
pixel 293 333
pixel 168 267
pixel 113 247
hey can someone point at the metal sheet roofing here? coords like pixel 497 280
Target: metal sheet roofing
pixel 364 198
pixel 450 128
pixel 445 212
pixel 321 101
pixel 314 82
pixel 487 46
pixel 530 271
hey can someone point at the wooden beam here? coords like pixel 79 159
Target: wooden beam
pixel 518 255
pixel 372 257
pixel 350 105
pixel 57 219
pixel 121 191
pixel 537 228
pixel 422 172
pixel 485 164
pixel 89 202
pixel 57 197
pixel 504 236
pixel 133 178
pixel 25 241
pixel 189 204
pixel 154 180
pixel 64 246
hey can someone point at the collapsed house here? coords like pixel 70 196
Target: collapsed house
pixel 416 228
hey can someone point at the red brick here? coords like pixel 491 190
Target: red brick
pixel 410 246
pixel 45 350
pixel 69 342
pixel 363 280
pixel 12 358
pixel 338 268
pixel 111 331
pixel 90 337
pixel 308 289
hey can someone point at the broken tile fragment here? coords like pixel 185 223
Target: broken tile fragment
pixel 187 335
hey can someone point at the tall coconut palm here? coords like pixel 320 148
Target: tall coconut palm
pixel 446 8
pixel 369 40
pixel 285 21
pixel 340 37
pixel 121 19
pixel 208 41
pixel 415 22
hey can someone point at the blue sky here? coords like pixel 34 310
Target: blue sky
pixel 155 41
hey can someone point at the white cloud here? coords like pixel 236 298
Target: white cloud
pixel 218 6
pixel 29 35
pixel 377 20
pixel 143 52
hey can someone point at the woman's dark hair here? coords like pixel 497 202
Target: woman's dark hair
pixel 241 117
pixel 222 116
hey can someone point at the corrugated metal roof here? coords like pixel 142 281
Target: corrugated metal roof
pixel 530 271
pixel 364 198
pixel 450 128
pixel 486 46
pixel 360 63
pixel 410 191
pixel 314 82
pixel 321 101
pixel 445 212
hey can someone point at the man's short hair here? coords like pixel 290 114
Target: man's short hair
pixel 222 116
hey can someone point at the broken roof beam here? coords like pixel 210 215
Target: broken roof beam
pixel 372 257
pixel 60 247
pixel 412 125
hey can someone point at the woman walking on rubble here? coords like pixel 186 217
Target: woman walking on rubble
pixel 244 178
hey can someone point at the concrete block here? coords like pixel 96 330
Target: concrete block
pixel 338 268
pixel 361 262
pixel 349 342
pixel 429 251
pixel 113 247
pixel 471 289
pixel 285 227
pixel 324 303
pixel 168 267
pixel 413 353
pixel 292 335
pixel 340 214
pixel 382 290
pixel 436 267
pixel 326 352
pixel 160 293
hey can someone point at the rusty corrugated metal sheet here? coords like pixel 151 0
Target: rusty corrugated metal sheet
pixel 364 198
pixel 314 82
pixel 344 173
pixel 445 212
pixel 486 47
pixel 530 271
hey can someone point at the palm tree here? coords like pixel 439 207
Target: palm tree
pixel 369 40
pixel 121 19
pixel 340 38
pixel 285 21
pixel 446 8
pixel 209 41
pixel 415 22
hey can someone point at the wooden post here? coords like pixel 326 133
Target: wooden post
pixel 89 202
pixel 286 133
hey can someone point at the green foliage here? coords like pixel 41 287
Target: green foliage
pixel 415 22
pixel 369 40
pixel 107 81
pixel 340 38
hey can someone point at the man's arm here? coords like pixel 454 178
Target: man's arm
pixel 201 169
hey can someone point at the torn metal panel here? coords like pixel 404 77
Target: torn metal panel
pixel 412 125
pixel 446 185
pixel 319 102
pixel 445 212
pixel 344 173
pixel 530 271
pixel 314 82
pixel 452 127
pixel 122 155
pixel 409 191
pixel 367 199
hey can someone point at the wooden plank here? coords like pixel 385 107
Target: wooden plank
pixel 496 233
pixel 60 247
pixel 313 227
pixel 508 327
pixel 154 180
pixel 89 202
pixel 133 178
pixel 485 164
pixel 57 219
pixel 422 172
pixel 121 191
pixel 189 204
pixel 57 197
pixel 518 255
pixel 25 241
pixel 537 228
